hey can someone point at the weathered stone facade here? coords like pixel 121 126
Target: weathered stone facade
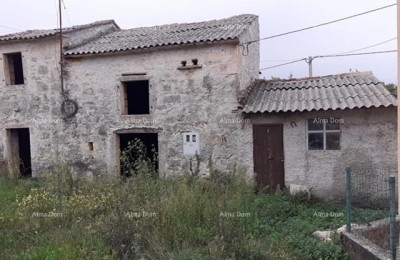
pixel 36 103
pixel 192 100
pixel 201 99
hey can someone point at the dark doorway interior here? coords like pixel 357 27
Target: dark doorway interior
pixel 150 141
pixel 25 152
pixel 20 151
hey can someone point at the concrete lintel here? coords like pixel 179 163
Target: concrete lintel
pixel 133 78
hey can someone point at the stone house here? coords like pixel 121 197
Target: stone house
pixel 171 86
pixel 307 131
pixel 190 91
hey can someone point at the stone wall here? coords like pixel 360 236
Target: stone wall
pixel 202 100
pixel 371 241
pixel 368 139
pixel 249 55
pixel 35 104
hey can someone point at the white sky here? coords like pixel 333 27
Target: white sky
pixel 276 16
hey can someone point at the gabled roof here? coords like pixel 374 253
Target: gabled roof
pixel 164 35
pixel 38 34
pixel 343 91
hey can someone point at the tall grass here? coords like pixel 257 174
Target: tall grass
pixel 143 217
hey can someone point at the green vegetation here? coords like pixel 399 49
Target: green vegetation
pixel 147 218
pixel 392 89
pixel 142 217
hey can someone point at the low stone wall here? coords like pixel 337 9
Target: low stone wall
pixel 360 248
pixel 368 242
pixel 379 235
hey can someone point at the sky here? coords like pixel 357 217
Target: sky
pixel 275 17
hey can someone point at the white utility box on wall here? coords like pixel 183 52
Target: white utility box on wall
pixel 191 143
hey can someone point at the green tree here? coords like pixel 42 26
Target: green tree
pixel 392 88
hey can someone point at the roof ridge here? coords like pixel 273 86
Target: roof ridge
pixel 253 16
pixel 24 35
pixel 101 22
pixel 356 73
pixel 74 27
pixel 225 29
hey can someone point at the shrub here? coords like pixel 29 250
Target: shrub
pixel 136 160
pixel 9 171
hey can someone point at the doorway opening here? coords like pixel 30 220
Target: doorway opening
pixel 136 147
pixel 269 157
pixel 19 151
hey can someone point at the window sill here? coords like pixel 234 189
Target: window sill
pixel 190 67
pixel 15 85
pixel 136 115
pixel 323 150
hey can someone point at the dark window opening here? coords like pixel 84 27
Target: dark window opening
pixel 136 97
pixel 20 151
pixel 14 69
pixel 128 161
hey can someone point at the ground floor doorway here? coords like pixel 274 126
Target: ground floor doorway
pixel 19 151
pixel 149 148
